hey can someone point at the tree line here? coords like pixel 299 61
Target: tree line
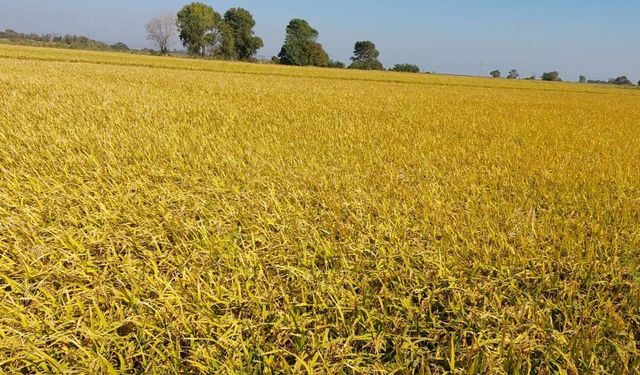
pixel 513 74
pixel 206 33
pixel 555 77
pixel 620 81
pixel 67 41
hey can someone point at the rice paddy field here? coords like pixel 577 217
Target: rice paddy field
pixel 166 215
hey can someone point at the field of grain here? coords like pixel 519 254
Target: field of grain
pixel 165 215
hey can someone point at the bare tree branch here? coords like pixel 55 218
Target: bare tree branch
pixel 162 31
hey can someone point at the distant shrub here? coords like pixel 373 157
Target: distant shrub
pixel 622 81
pixel 409 68
pixel 367 65
pixel 120 47
pixel 551 76
pixel 336 64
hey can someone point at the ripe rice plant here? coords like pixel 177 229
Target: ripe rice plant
pixel 166 215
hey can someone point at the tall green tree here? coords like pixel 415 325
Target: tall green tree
pixel 365 50
pixel 301 47
pixel 241 24
pixel 365 56
pixel 221 42
pixel 198 26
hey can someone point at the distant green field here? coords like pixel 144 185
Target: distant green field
pixel 165 215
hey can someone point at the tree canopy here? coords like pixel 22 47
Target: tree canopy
pixel 197 24
pixel 241 24
pixel 365 56
pixel 364 51
pixel 301 47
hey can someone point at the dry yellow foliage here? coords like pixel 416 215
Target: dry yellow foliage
pixel 167 215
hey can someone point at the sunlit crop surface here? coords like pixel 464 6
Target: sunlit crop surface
pixel 162 215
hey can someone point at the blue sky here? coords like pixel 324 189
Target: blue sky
pixel 597 38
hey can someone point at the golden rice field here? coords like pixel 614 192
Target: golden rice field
pixel 166 215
